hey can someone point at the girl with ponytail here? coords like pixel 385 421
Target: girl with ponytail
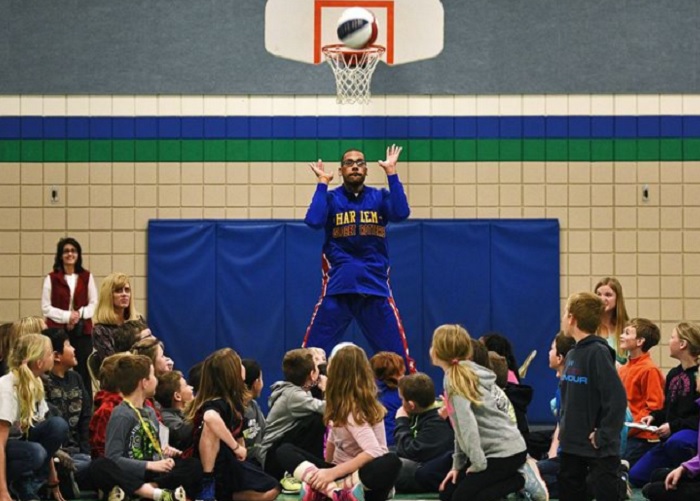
pixel 486 438
pixel 25 464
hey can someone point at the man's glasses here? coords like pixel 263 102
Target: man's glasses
pixel 349 162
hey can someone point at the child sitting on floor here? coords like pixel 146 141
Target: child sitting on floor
pixel 421 435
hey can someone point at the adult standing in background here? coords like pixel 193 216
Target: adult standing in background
pixel 68 301
pixel 114 307
pixel 355 258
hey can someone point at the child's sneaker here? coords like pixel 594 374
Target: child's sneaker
pixel 534 485
pixel 208 492
pixel 116 494
pixel 357 493
pixel 290 485
pixel 176 495
pixel 624 474
pixel 307 493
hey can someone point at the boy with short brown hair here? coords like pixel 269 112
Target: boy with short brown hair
pixel 643 382
pixel 593 406
pixel 173 394
pixel 105 401
pixel 421 436
pixel 148 470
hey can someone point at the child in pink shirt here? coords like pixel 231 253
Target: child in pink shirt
pixel 358 464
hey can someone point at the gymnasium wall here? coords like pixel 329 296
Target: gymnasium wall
pixel 519 156
pixel 217 47
pixel 138 111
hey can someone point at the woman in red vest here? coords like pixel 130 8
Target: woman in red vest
pixel 68 301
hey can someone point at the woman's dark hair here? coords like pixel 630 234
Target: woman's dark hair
pixel 58 261
pixel 500 344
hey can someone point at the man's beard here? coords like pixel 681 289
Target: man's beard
pixel 357 180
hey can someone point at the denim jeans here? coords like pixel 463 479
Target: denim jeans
pixel 31 457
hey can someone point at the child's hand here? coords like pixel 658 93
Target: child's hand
pixel 171 452
pixel 321 478
pixel 664 431
pixel 450 477
pixel 647 420
pixel 591 437
pixel 56 493
pixel 240 452
pixel 322 382
pixel 672 479
pixel 162 466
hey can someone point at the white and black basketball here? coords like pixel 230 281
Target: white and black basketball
pixel 357 28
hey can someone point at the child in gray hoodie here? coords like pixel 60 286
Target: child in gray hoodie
pixel 489 449
pixel 295 416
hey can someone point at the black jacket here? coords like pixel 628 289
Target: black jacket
pixel 680 410
pixel 423 436
pixel 592 400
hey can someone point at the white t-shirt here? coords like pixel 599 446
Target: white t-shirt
pixel 9 403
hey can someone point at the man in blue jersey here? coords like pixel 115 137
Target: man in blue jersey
pixel 355 261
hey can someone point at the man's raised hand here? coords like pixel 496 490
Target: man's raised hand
pixel 322 176
pixel 392 157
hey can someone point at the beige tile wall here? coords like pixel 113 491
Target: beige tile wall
pixel 653 247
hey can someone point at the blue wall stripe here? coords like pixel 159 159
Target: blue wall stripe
pixel 354 127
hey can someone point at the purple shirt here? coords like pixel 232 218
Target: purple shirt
pixel 692 466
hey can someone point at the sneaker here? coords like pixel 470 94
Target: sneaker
pixel 357 493
pixel 24 489
pixel 290 485
pixel 176 495
pixel 116 494
pixel 306 493
pixel 625 479
pixel 208 492
pixel 534 485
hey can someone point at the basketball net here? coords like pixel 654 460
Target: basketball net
pixel 353 69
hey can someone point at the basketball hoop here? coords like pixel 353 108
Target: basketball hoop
pixel 353 69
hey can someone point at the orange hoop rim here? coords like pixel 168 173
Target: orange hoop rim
pixel 340 49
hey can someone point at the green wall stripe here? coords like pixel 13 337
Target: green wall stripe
pixel 289 150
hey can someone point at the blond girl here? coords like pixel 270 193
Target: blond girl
pixel 678 420
pixel 489 449
pixel 26 464
pixel 358 464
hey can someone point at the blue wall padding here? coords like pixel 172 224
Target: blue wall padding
pixel 252 285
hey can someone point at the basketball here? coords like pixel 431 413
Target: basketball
pixel 357 28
